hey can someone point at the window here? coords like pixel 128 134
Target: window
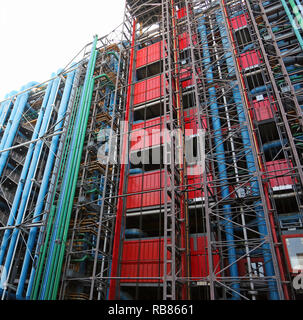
pixel 295 252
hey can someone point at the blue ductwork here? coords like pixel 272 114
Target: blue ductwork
pixel 18 194
pixel 251 169
pixel 13 124
pixel 45 182
pixel 220 156
pixel 30 175
pixel 5 108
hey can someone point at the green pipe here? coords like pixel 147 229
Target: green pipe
pixel 297 13
pixel 82 259
pixel 114 53
pixel 107 78
pixel 290 17
pixel 71 176
pixel 50 220
pixel 70 199
pixel 43 248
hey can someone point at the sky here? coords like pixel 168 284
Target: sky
pixel 38 37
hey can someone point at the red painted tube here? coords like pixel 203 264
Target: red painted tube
pixel 116 245
pixel 271 219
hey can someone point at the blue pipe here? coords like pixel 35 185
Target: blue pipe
pixel 299 5
pixel 45 182
pixel 84 98
pixel 252 169
pixel 229 232
pixel 26 165
pixel 269 268
pixel 30 175
pixel 5 108
pixel 12 126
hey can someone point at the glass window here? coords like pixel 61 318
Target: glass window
pixel 295 252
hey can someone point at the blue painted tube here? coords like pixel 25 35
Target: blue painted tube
pixel 219 148
pixel 45 182
pixel 84 98
pixel 5 108
pixel 30 175
pixel 251 168
pixel 12 126
pixel 24 172
pixel 269 268
pixel 299 5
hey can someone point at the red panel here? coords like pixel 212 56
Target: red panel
pixel 144 258
pixel 280 173
pixel 181 13
pixel 263 110
pixel 148 90
pixel 194 180
pixel 190 122
pixel 250 59
pixel 184 41
pixel 150 54
pixel 147 133
pixel 147 181
pixel 199 257
pixel 239 21
pixel 141 58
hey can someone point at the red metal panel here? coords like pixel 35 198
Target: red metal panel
pixel 155 52
pixel 141 58
pixel 279 173
pixel 181 13
pixel 239 21
pixel 250 59
pixel 199 257
pixel 190 122
pixel 184 41
pixel 263 110
pixel 148 90
pixel 147 181
pixel 144 258
pixel 149 54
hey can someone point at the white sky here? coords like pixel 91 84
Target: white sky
pixel 38 37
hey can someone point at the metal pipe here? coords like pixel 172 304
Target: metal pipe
pixel 45 181
pixel 30 175
pixel 219 148
pixel 18 194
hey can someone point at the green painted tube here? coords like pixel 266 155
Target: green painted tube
pixel 86 257
pixel 291 19
pixel 71 198
pixel 69 185
pixel 43 248
pixel 297 13
pixel 72 177
pixel 34 293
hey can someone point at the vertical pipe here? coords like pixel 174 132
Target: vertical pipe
pixel 18 194
pixel 116 245
pixel 219 148
pixel 30 176
pixel 45 182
